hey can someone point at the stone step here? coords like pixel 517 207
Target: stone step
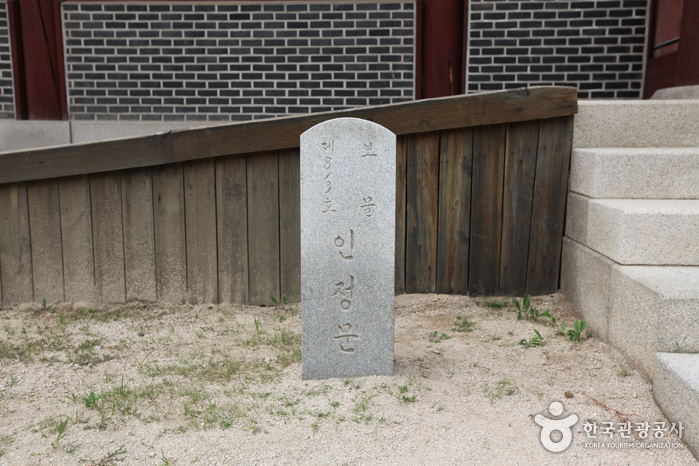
pixel 642 310
pixel 636 231
pixel 636 123
pixel 676 391
pixel 636 173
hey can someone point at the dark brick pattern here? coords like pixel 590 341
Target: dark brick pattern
pixel 596 46
pixel 7 101
pixel 235 61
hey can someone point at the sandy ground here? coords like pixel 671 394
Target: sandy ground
pixel 144 384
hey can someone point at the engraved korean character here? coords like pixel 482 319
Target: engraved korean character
pixel 624 429
pixel 328 183
pixel 339 242
pixel 328 206
pixel 367 204
pixel 328 146
pixel 368 150
pixel 642 429
pixel 345 331
pixel 676 429
pixel 590 429
pixel 345 293
pixel 607 428
pixel 659 429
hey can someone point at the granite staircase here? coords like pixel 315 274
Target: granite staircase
pixel 630 262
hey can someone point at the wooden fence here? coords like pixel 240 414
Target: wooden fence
pixel 213 214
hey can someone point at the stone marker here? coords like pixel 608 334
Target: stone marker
pixel 348 205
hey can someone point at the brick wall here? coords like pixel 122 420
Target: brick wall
pixel 597 46
pixel 7 104
pixel 235 61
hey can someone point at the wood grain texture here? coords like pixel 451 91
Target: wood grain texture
pixel 15 247
pixel 76 235
pixel 169 232
pixel 139 235
pixel 200 221
pixel 550 186
pixel 455 163
pixel 520 166
pixel 486 208
pixel 281 133
pixel 290 224
pixel 232 224
pixel 401 182
pixel 421 215
pixel 47 251
pixel 107 236
pixel 263 226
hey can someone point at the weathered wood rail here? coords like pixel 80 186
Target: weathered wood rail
pixel 213 214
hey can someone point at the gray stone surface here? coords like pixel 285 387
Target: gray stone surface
pixel 636 173
pixel 636 123
pixel 576 217
pixel 638 309
pixel 348 186
pixel 92 131
pixel 31 134
pixel 585 282
pixel 677 93
pixel 676 391
pixel 644 232
pixel 653 309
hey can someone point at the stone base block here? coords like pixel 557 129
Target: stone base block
pixel 636 231
pixel 676 391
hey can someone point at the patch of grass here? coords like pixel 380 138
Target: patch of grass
pixel 435 337
pixel 165 461
pixel 575 333
pixel 60 430
pixel 526 311
pixel 403 391
pixel 682 349
pixel 352 384
pixel 536 340
pixel 624 372
pixel 361 410
pixel 495 303
pixel 504 387
pixel 5 441
pixel 287 309
pixel 462 324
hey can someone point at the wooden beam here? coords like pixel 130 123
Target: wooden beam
pixel 282 133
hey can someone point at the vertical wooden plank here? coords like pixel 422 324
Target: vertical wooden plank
pixel 550 185
pixel 76 236
pixel 47 251
pixel 108 236
pixel 455 163
pixel 422 199
pixel 15 246
pixel 139 236
pixel 486 208
pixel 232 223
pixel 169 229
pixel 200 221
pixel 401 171
pixel 520 165
pixel 290 223
pixel 263 226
